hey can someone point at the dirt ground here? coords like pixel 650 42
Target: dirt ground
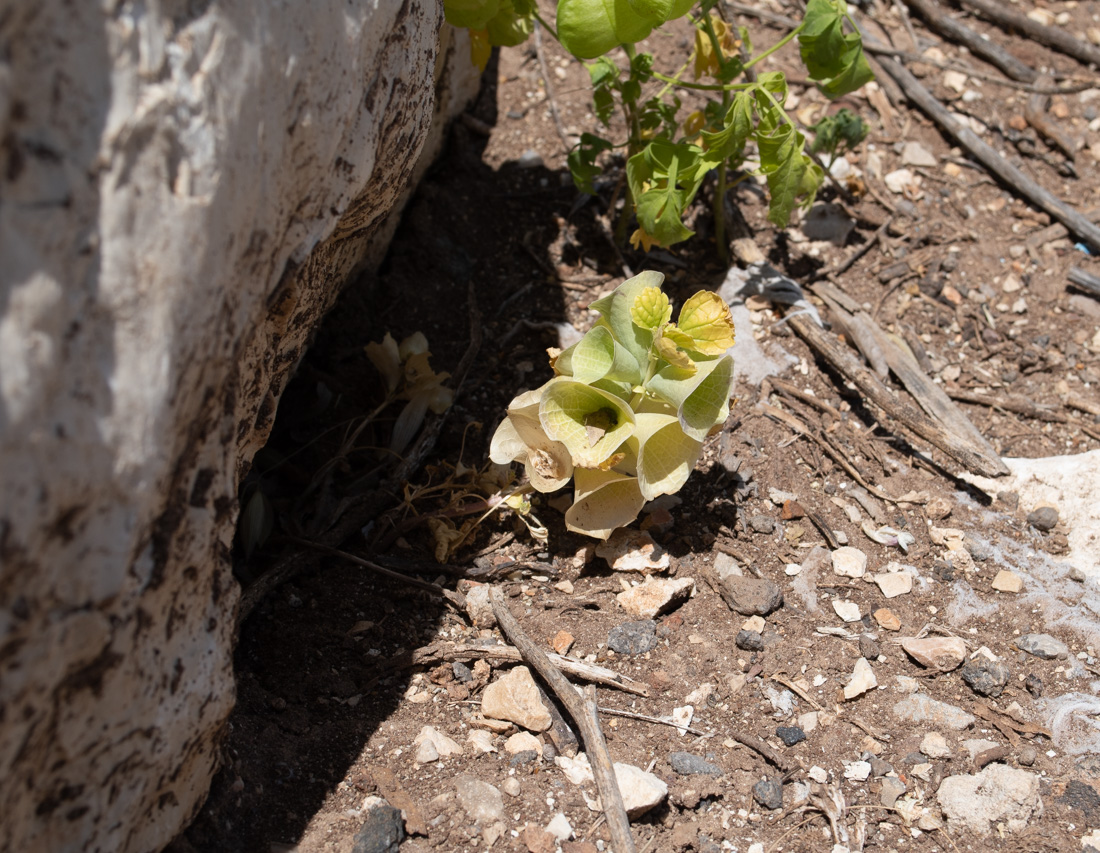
pixel 328 703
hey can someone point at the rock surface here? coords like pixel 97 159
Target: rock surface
pixel 515 697
pixel 942 653
pixel 750 596
pixel 999 794
pixel 1043 646
pixel 922 709
pixel 641 791
pixel 656 596
pixel 633 638
pixel 189 186
pixel 481 801
pixel 382 831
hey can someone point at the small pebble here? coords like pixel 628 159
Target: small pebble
pixel 818 774
pixel 868 648
pixel 769 793
pixel 790 735
pixel 1027 756
pixel 633 638
pixel 880 767
pixel 1007 581
pixel 750 641
pixel 529 159
pixel 1034 685
pixel 511 786
pixel 934 745
pixel 1043 646
pixel 687 764
pixel 1044 518
pixel 762 523
pixel 986 677
pixel 887 620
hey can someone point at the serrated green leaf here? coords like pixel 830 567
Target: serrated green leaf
pixel 615 311
pixel 603 502
pixel 701 400
pixel 665 454
pixel 590 422
pixel 664 178
pixel 830 54
pixel 651 308
pixel 591 28
pixel 706 319
pixel 730 140
pixel 782 161
pixel 856 73
pixel 599 355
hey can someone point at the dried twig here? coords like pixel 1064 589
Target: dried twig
pixel 1035 113
pixel 988 156
pixel 1084 280
pixel 586 717
pixel 549 88
pixel 578 669
pixel 658 721
pixel 838 457
pixel 1017 405
pixel 455 598
pixel 988 50
pixel 1004 16
pixel 962 451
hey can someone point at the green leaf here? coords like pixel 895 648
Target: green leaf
pixel 666 455
pixel 701 400
pixel 599 355
pixel 615 311
pixel 784 164
pixel 837 133
pixel 736 129
pixel 655 175
pixel 582 161
pixel 471 14
pixel 829 54
pixel 651 309
pixel 675 355
pixel 590 422
pixel 603 501
pixel 591 28
pixel 507 28
pixel 706 319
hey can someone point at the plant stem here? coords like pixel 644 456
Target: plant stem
pixel 718 206
pixel 547 27
pixel 703 87
pixel 782 42
pixel 720 214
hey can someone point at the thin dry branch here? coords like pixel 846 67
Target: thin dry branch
pixel 1003 16
pixel 973 458
pixel 989 158
pixel 988 50
pixel 578 669
pixel 586 717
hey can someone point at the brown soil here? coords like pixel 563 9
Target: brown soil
pixel 327 707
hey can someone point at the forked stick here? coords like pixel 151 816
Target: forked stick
pixel 587 722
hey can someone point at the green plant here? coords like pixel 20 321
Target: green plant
pixel 667 161
pixel 629 406
pixel 836 134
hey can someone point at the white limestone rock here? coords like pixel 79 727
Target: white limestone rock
pixel 187 188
